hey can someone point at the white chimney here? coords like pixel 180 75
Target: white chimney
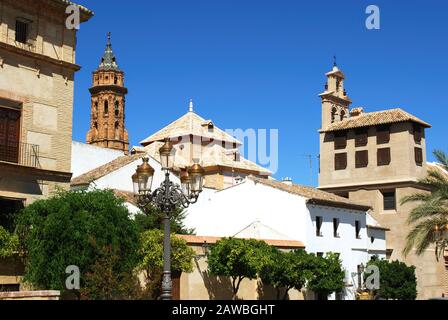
pixel 287 181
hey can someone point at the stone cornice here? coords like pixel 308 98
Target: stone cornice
pixel 36 173
pixel 32 55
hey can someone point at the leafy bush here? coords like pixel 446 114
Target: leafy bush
pixel 9 243
pixel 151 263
pixel 327 275
pixel 397 280
pixel 288 270
pixel 75 228
pixel 238 259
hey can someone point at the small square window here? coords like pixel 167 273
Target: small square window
pixel 389 200
pixel 382 134
pixel 419 156
pixel 21 31
pixel 383 157
pixel 340 161
pixel 358 229
pixel 361 138
pixel 319 221
pixel 340 140
pixel 336 228
pixel 362 159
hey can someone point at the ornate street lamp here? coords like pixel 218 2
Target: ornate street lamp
pixel 167 198
pixel 441 239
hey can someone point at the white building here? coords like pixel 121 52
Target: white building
pixel 323 222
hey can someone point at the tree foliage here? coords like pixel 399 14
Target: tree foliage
pixel 9 243
pixel 397 280
pixel 328 276
pixel 287 270
pixel 238 259
pixel 152 258
pixel 76 228
pixel 431 211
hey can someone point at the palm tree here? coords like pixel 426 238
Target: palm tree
pixel 432 212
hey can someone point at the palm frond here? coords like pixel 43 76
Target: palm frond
pixel 422 235
pixel 442 158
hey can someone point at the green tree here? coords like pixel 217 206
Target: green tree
pixel 327 275
pixel 397 280
pixel 75 228
pixel 237 259
pixel 287 270
pixel 9 243
pixel 152 258
pixel 431 212
pixel 152 218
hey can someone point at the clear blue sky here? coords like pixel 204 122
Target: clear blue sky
pixel 261 64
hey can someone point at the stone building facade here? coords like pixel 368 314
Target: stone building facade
pixel 377 158
pixel 37 68
pixel 107 125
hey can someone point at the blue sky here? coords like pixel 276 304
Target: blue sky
pixel 261 64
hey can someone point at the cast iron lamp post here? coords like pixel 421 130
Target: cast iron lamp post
pixel 167 198
pixel 441 239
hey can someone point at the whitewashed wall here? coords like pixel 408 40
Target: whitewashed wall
pixel 86 157
pixel 225 213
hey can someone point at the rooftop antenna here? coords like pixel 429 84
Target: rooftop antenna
pixel 310 157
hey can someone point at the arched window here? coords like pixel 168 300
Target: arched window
pixel 333 114
pixel 96 106
pixel 115 80
pixel 342 115
pixel 117 130
pixel 117 108
pixel 106 107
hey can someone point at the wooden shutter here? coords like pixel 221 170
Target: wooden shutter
pixel 383 134
pixel 383 157
pixel 362 159
pixel 418 134
pixel 389 200
pixel 340 161
pixel 419 156
pixel 176 285
pixel 340 140
pixel 361 138
pixel 9 135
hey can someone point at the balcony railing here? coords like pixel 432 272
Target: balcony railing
pixel 24 154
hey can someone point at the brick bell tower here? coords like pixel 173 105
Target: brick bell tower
pixel 107 120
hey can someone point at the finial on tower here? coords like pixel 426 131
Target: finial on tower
pixel 108 38
pixel 335 64
pixel 191 107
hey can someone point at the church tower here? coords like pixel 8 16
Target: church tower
pixel 335 102
pixel 107 123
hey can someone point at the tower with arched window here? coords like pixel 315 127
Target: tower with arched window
pixel 107 123
pixel 335 102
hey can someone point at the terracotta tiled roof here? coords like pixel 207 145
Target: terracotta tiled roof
pixel 189 124
pixel 105 169
pixel 211 157
pixel 90 12
pixel 375 118
pixel 292 244
pixel 439 168
pixel 314 196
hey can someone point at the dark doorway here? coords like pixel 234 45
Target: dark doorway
pixel 8 209
pixel 176 285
